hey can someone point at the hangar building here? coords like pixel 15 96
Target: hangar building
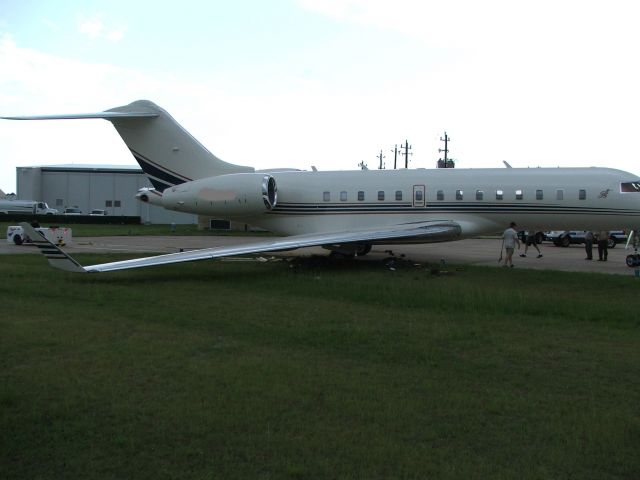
pixel 107 187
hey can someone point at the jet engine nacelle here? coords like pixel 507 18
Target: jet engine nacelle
pixel 149 195
pixel 232 195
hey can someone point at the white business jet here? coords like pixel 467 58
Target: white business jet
pixel 349 211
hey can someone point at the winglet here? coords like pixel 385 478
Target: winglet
pixel 57 258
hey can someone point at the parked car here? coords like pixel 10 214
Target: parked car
pixel 564 238
pixel 97 212
pixel 72 211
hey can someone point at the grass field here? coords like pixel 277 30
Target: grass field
pixel 317 370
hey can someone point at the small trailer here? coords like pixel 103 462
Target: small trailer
pixel 60 236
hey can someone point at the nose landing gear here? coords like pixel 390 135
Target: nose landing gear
pixel 633 260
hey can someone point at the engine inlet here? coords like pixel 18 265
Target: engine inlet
pixel 269 192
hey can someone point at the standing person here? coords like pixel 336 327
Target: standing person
pixel 588 245
pixel 603 245
pixel 510 238
pixel 530 239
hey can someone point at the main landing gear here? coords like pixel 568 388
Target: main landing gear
pixel 633 260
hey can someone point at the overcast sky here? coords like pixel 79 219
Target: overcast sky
pixel 330 83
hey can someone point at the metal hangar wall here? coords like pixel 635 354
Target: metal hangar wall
pixel 108 187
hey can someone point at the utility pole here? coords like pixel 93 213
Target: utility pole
pixel 363 166
pixel 395 157
pixel 380 157
pixel 406 153
pixel 446 162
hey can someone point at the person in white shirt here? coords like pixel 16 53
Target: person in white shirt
pixel 510 239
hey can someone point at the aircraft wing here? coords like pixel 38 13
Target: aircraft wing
pixel 427 232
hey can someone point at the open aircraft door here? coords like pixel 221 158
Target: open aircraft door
pixel 418 196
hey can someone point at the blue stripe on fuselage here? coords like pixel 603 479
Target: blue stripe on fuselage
pixel 160 179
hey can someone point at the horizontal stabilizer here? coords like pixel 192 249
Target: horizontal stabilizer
pixel 74 116
pixel 166 152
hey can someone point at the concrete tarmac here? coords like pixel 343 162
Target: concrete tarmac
pixel 464 252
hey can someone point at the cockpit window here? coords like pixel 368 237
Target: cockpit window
pixel 630 187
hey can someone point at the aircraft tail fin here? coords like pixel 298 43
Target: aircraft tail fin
pixel 56 257
pixel 165 151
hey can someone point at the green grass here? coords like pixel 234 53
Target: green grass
pixel 317 370
pixel 90 230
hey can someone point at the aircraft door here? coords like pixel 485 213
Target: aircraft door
pixel 418 196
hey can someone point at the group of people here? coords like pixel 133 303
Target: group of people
pixel 602 240
pixel 510 239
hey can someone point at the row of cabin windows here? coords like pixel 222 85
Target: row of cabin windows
pixel 326 196
pixel 519 195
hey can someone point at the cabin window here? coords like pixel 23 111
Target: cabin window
pixel 440 195
pixel 582 194
pixel 630 187
pixel 479 194
pixel 499 194
pixel 418 195
pixel 108 203
pixel 539 195
pixel 398 194
pixel 326 196
pixel 559 194
pixel 519 194
pixel 380 195
pixel 360 196
pixel 459 194
pixel 343 196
